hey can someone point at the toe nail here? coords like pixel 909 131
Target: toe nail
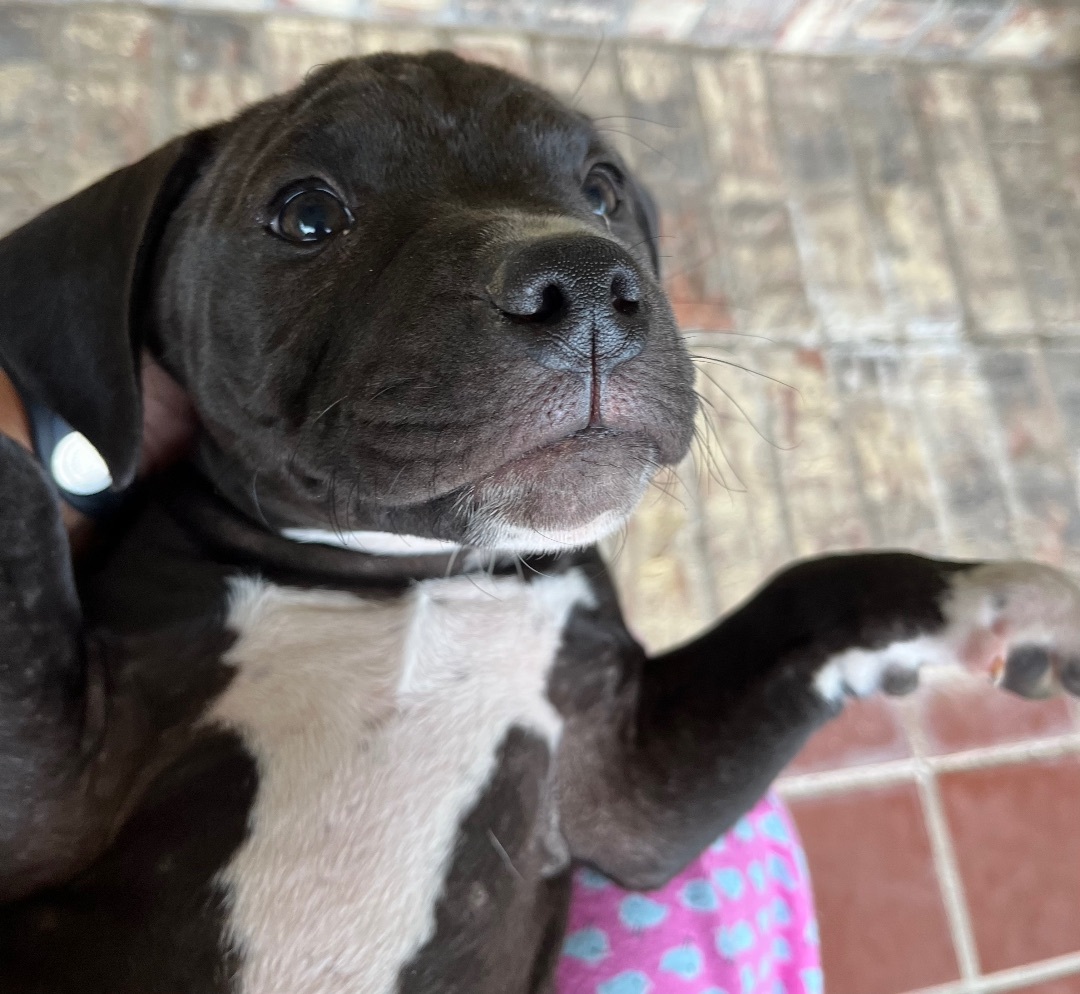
pixel 1028 672
pixel 898 680
pixel 1070 675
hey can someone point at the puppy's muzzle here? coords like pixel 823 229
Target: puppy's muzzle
pixel 580 300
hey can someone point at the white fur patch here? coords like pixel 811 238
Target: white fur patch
pixel 373 543
pixel 496 533
pixel 860 672
pixel 375 726
pixel 988 610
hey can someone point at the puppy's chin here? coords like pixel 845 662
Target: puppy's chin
pixel 565 495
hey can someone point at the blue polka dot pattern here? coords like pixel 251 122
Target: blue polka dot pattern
pixel 781 949
pixel 590 945
pixel 731 882
pixel 630 982
pixel 781 912
pixel 756 872
pixel 640 912
pixel 772 827
pixel 779 870
pixel 735 939
pixel 698 895
pixel 736 921
pixel 592 880
pixel 683 961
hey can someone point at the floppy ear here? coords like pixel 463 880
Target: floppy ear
pixel 648 217
pixel 73 288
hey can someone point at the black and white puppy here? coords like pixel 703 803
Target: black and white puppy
pixel 285 735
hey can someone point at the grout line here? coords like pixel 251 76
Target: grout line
pixel 1013 978
pixel 948 874
pixel 802 785
pixel 943 852
pixel 1003 755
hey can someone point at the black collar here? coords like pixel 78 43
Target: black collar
pixel 231 537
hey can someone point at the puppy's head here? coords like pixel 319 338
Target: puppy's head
pixel 415 295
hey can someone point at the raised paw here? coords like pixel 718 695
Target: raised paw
pixel 1019 623
pixel 1016 622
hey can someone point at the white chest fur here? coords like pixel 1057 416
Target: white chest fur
pixel 375 727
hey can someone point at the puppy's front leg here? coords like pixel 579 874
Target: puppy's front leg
pixel 701 732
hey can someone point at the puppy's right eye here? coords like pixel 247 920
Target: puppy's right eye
pixel 308 214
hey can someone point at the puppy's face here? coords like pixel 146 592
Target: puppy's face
pixel 419 295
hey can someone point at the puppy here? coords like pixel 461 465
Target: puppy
pixel 339 707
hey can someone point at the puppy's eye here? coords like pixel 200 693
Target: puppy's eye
pixel 308 214
pixel 601 191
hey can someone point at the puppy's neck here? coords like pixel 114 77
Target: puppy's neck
pixel 322 558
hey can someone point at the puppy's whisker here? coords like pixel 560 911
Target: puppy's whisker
pixel 666 494
pixel 335 520
pixel 327 409
pixel 746 417
pixel 532 569
pixel 453 559
pixel 747 369
pixel 504 855
pixel 619 548
pixel 255 499
pixel 712 336
pixel 712 465
pixel 637 138
pixel 689 268
pixel 589 69
pixel 643 120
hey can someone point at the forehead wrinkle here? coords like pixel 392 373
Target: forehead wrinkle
pixel 292 106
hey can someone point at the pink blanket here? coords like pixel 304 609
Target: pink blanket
pixel 739 920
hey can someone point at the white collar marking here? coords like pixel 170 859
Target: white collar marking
pixel 373 543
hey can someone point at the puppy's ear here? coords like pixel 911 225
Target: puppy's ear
pixel 73 288
pixel 648 218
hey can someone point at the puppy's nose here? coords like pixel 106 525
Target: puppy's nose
pixel 579 297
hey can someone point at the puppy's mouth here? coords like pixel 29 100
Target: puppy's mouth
pixel 564 494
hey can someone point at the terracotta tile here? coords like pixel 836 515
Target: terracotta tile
pixel 867 732
pixel 1015 834
pixel 971 714
pixel 883 924
pixel 1063 985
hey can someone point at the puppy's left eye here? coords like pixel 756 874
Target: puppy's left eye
pixel 601 191
pixel 308 214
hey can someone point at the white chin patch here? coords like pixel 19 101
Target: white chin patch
pixel 505 536
pixel 373 543
pixel 494 536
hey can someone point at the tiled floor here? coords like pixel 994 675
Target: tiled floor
pixel 878 265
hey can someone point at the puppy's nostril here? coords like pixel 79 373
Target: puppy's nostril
pixel 625 294
pixel 548 309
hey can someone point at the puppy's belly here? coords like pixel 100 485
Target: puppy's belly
pixel 375 727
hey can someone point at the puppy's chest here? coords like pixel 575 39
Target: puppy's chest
pixel 375 727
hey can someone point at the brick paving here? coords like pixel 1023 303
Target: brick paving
pixel 877 263
pixel 1022 31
